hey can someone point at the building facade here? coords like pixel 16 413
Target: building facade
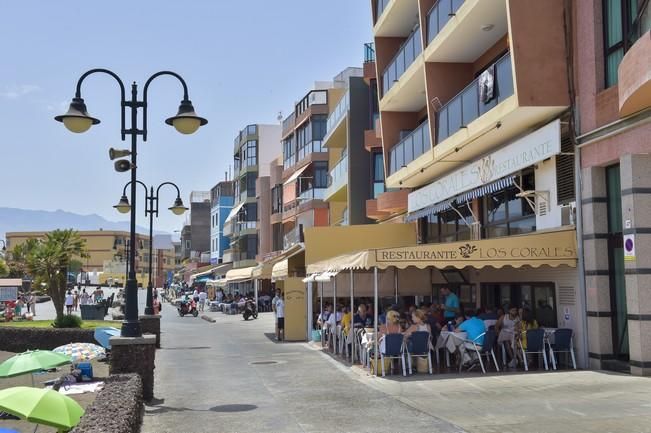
pixel 221 199
pixel 612 60
pixel 255 147
pixel 477 148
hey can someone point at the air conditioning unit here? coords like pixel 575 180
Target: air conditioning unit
pixel 568 214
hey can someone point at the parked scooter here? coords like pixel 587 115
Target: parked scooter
pixel 188 307
pixel 250 310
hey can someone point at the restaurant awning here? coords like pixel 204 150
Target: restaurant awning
pixel 239 274
pixel 262 271
pixel 212 270
pixel 234 211
pixel 552 248
pixel 280 269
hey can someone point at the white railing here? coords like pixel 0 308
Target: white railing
pixel 312 194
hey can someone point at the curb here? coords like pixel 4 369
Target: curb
pixel 208 319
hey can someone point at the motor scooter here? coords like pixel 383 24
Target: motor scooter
pixel 188 307
pixel 250 310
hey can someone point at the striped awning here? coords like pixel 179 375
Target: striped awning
pixel 481 191
pixel 429 210
pixel 462 198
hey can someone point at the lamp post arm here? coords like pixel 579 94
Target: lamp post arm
pixel 124 192
pixel 122 93
pixel 145 91
pixel 178 193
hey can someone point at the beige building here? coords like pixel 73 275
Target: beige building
pixel 107 251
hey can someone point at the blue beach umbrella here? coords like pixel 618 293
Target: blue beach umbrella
pixel 104 334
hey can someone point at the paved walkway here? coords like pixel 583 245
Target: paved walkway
pixel 219 377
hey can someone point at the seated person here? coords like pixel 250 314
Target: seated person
pixel 488 314
pixel 346 320
pixel 335 318
pixel 362 319
pixel 392 325
pixel 323 317
pixel 526 323
pixel 418 323
pixel 505 328
pixel 473 327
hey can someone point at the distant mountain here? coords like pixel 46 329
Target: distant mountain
pixel 24 220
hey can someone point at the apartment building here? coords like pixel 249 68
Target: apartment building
pixel 612 63
pixel 255 146
pixel 474 106
pixel 221 201
pixel 350 177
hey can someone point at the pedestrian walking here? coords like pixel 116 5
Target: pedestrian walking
pixel 27 304
pixel 202 300
pixel 273 308
pixel 155 303
pixel 84 298
pixel 69 302
pixel 32 301
pixel 280 317
pixel 75 300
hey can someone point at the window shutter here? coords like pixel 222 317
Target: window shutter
pixel 565 171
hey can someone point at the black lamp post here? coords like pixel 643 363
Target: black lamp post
pixel 78 120
pixel 151 209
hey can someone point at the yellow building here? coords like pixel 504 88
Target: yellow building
pixel 107 254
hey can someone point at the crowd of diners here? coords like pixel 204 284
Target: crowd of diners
pixel 510 322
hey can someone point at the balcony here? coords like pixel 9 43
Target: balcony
pixel 337 180
pixel 292 238
pixel 394 18
pixel 250 132
pixel 467 106
pixel 288 124
pixel 410 148
pixel 241 228
pixel 406 55
pixel 314 146
pixel 634 79
pixel 335 121
pixel 312 194
pixel 459 31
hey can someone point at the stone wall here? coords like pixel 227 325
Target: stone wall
pixel 121 396
pixel 21 339
pixel 151 325
pixel 135 355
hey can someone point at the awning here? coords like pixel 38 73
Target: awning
pixel 280 269
pixel 462 198
pixel 325 277
pixel 215 269
pixel 234 211
pixel 296 175
pixel 552 248
pixel 239 274
pixel 201 279
pixel 262 271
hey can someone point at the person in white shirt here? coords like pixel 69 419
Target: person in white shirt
pixel 84 299
pixel 280 316
pixel 273 307
pixel 202 300
pixel 69 301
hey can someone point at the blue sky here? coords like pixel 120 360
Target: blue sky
pixel 244 61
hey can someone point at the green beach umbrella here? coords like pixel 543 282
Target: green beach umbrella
pixel 41 406
pixel 32 361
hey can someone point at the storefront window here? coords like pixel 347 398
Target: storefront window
pixel 449 226
pixel 540 298
pixel 507 214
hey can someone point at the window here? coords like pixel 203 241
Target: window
pixel 250 185
pixel 249 154
pixel 320 174
pixel 540 298
pixel 506 214
pixel 378 174
pixel 276 199
pixel 289 152
pixel 187 244
pixel 624 22
pixel 448 226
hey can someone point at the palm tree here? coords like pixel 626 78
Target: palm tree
pixel 50 261
pixel 17 259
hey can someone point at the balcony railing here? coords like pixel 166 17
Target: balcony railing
pixel 312 194
pixel 439 15
pixel 340 111
pixel 338 176
pixel 314 146
pixel 241 226
pixel 468 104
pixel 401 62
pixel 369 52
pixel 292 238
pixel 248 130
pixel 289 122
pixel 410 147
pixel 381 5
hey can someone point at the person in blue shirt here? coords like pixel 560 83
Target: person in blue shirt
pixel 474 327
pixel 451 307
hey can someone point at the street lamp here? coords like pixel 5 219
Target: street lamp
pixel 78 120
pixel 151 209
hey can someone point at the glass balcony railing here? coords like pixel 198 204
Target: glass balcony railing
pixel 241 226
pixel 381 5
pixel 439 15
pixel 340 111
pixel 314 146
pixel 409 148
pixel 471 103
pixel 338 176
pixel 291 238
pixel 369 52
pixel 289 122
pixel 401 62
pixel 312 194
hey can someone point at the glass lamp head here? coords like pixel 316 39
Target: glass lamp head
pixel 77 119
pixel 186 120
pixel 178 208
pixel 123 205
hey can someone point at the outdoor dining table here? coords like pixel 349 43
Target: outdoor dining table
pixel 450 341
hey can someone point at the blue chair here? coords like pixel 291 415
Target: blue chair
pixel 562 343
pixel 535 344
pixel 86 369
pixel 393 348
pixel 419 346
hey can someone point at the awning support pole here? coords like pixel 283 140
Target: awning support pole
pixel 351 330
pixel 310 312
pixel 333 331
pixel 375 315
pixel 395 284
pixel 321 314
pixel 255 291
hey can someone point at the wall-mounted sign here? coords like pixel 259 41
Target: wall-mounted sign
pixel 535 147
pixel 629 248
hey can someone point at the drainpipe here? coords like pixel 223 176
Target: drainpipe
pixel 581 260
